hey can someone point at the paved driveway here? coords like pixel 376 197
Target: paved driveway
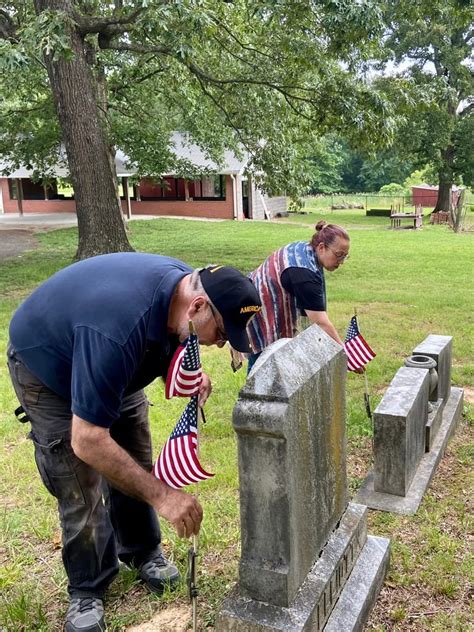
pixel 14 242
pixel 17 233
pixel 38 221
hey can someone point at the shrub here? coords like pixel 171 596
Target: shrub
pixel 393 189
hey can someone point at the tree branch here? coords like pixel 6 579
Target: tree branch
pixel 226 114
pixel 136 48
pixel 469 108
pixel 285 90
pixel 299 112
pixel 233 54
pixel 37 108
pixel 241 44
pixel 7 26
pixel 119 89
pixel 108 26
pixel 440 69
pixel 469 36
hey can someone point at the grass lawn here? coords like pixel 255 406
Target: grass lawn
pixel 405 285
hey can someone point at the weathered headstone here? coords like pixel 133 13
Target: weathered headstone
pixel 399 431
pixel 300 538
pixel 439 348
pixel 409 440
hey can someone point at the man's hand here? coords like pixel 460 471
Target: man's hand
pixel 182 510
pixel 205 389
pixel 361 369
pixel 94 445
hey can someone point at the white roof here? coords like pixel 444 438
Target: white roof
pixel 183 149
pixel 120 165
pixel 60 169
pixel 431 187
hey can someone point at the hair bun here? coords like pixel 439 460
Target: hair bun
pixel 320 225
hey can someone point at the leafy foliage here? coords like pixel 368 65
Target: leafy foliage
pixel 262 77
pixel 336 167
pixel 430 43
pixel 393 188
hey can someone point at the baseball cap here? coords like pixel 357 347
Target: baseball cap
pixel 236 300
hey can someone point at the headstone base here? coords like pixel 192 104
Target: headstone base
pixel 408 504
pixel 361 590
pixel 349 551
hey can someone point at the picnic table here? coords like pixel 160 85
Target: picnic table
pixel 396 218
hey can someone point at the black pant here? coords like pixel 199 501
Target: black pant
pixel 99 523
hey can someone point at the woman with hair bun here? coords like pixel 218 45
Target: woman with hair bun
pixel 291 283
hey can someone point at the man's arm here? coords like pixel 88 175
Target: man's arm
pixel 94 445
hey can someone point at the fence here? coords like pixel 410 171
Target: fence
pixel 365 201
pixel 368 201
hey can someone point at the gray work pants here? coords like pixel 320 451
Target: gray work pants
pixel 99 523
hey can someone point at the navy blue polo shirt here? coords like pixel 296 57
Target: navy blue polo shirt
pixel 88 331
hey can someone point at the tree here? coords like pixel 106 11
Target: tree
pixel 261 77
pixel 326 163
pixel 335 167
pixel 432 41
pixel 382 168
pixel 75 93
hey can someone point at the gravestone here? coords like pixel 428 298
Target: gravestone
pixel 409 440
pixel 301 539
pixel 399 431
pixel 439 348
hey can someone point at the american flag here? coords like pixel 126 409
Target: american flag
pixel 184 374
pixel 178 464
pixel 357 350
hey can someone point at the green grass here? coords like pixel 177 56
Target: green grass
pixel 404 284
pixel 431 572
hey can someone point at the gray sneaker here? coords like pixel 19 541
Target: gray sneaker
pixel 158 573
pixel 85 614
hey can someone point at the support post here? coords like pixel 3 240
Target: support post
pixel 127 196
pixel 19 195
pixel 137 193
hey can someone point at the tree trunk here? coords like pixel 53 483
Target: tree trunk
pixel 445 181
pixel 443 202
pixel 458 212
pixel 91 165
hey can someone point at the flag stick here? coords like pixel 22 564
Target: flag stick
pixel 195 541
pixel 193 591
pixel 193 588
pixel 366 396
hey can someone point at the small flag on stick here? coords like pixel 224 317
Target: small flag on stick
pixel 184 374
pixel 178 464
pixel 357 350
